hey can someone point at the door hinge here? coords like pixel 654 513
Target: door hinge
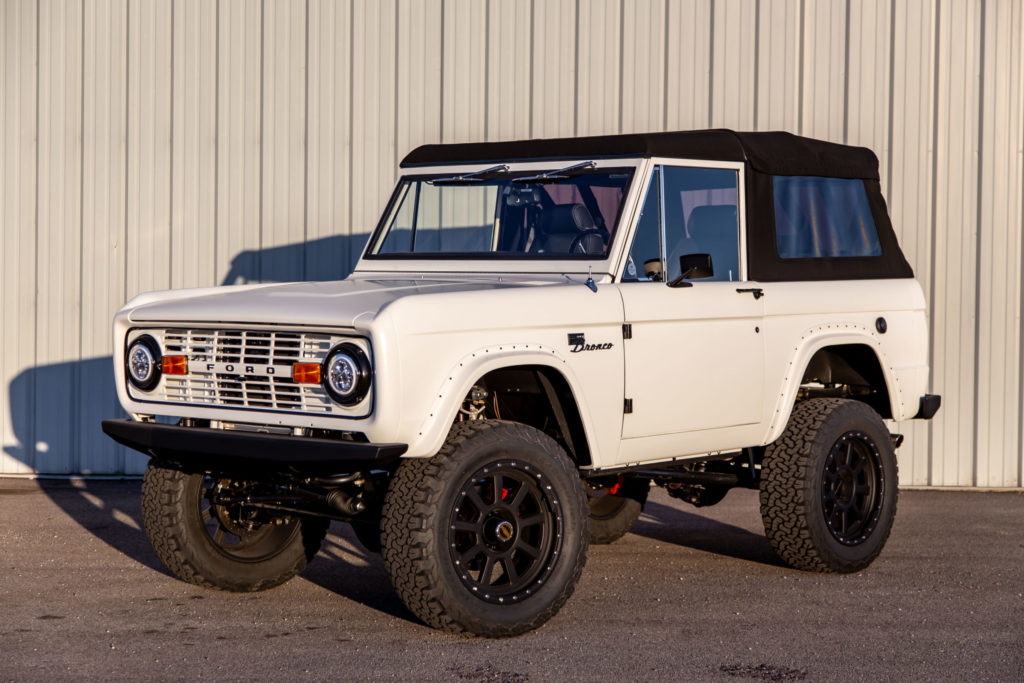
pixel 627 331
pixel 627 407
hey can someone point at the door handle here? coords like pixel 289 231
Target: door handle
pixel 756 291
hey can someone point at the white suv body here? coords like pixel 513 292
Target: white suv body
pixel 635 374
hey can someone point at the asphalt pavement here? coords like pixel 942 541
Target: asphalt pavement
pixel 692 594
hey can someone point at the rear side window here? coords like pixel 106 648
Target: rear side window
pixel 823 218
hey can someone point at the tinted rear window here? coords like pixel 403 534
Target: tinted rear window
pixel 823 218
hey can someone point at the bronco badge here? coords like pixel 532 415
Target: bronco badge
pixel 578 343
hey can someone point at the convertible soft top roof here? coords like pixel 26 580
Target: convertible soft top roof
pixel 774 153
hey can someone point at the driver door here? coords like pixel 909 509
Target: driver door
pixel 695 361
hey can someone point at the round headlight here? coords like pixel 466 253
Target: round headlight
pixel 346 374
pixel 142 362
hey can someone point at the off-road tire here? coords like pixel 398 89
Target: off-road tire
pixel 428 497
pixel 805 485
pixel 611 516
pixel 172 516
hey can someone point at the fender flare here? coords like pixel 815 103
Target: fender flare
pixel 460 378
pixel 813 340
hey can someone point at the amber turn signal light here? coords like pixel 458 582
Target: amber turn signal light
pixel 306 373
pixel 174 365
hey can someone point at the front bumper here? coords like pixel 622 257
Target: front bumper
pixel 201 449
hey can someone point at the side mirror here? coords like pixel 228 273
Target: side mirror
pixel 692 267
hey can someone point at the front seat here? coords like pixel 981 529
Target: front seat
pixel 560 225
pixel 715 231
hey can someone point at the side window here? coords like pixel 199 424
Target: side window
pixel 644 262
pixel 823 218
pixel 701 217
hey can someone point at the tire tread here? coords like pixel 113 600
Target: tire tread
pixel 407 540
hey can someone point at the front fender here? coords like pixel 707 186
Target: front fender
pixel 461 377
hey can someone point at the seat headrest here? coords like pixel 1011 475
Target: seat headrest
pixel 710 221
pixel 566 219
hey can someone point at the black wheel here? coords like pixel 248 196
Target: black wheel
pixel 490 535
pixel 614 513
pixel 231 547
pixel 829 486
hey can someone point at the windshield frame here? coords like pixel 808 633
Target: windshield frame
pixel 504 261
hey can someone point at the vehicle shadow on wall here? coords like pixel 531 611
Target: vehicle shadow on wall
pixel 55 409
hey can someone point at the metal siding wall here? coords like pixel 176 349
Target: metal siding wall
pixel 239 134
pixel 194 141
pixel 51 411
pixel 599 92
pixel 509 57
pixel 329 148
pixel 149 144
pixel 687 65
pixel 909 188
pixel 104 194
pixel 733 64
pixel 779 65
pixel 999 383
pixel 19 100
pixel 956 234
pixel 553 67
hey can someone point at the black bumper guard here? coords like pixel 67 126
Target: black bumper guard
pixel 201 449
pixel 929 406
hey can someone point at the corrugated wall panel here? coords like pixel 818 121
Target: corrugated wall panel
pixel 778 65
pixel 464 78
pixel 374 51
pixel 55 376
pixel 733 64
pixel 148 231
pixel 329 151
pixel 239 121
pixel 18 163
pixel 688 66
pixel 509 76
pixel 998 385
pixel 283 188
pixel 148 236
pixel 868 92
pixel 554 68
pixel 194 113
pixel 824 69
pixel 956 233
pixel 599 43
pixel 643 67
pixel 104 164
pixel 908 185
pixel 418 75
pixel 195 143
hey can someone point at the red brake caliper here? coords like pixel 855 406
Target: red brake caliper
pixel 612 490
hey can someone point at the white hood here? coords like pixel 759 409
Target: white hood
pixel 298 303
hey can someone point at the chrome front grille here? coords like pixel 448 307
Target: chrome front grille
pixel 243 350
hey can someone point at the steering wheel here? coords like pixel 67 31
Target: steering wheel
pixel 577 246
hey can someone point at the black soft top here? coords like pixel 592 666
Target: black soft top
pixel 773 153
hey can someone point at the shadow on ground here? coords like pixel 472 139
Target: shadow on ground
pixel 672 525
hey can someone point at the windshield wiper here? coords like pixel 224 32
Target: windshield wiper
pixel 556 176
pixel 470 178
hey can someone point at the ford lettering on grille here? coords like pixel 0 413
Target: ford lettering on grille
pixel 240 369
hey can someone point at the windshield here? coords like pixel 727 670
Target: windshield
pixel 560 213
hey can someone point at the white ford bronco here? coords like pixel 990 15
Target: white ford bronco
pixel 537 332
